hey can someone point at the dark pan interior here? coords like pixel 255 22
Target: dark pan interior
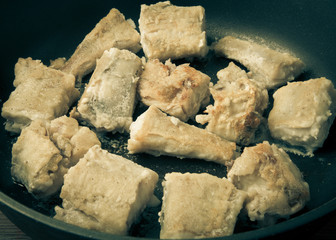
pixel 47 30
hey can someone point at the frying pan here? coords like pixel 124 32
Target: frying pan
pixel 49 29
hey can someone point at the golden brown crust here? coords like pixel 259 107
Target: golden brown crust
pixel 238 106
pixel 274 184
pixel 177 90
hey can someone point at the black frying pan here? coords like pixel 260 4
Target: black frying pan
pixel 46 30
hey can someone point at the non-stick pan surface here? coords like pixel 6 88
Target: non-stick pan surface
pixel 50 29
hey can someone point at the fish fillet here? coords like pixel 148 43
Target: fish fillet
pixel 273 183
pixel 179 91
pixel 105 192
pixel 111 31
pixel 302 114
pixel 198 206
pixel 238 106
pixel 156 133
pixel 46 150
pixel 269 67
pixel 41 93
pixel 109 98
pixel 169 31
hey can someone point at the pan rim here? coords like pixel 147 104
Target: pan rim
pixel 273 230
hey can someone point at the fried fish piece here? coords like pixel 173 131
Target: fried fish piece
pixel 238 106
pixel 109 98
pixel 105 192
pixel 269 67
pixel 169 31
pixel 41 93
pixel 198 206
pixel 46 150
pixel 111 31
pixel 156 133
pixel 71 139
pixel 273 183
pixel 37 168
pixel 177 90
pixel 302 114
